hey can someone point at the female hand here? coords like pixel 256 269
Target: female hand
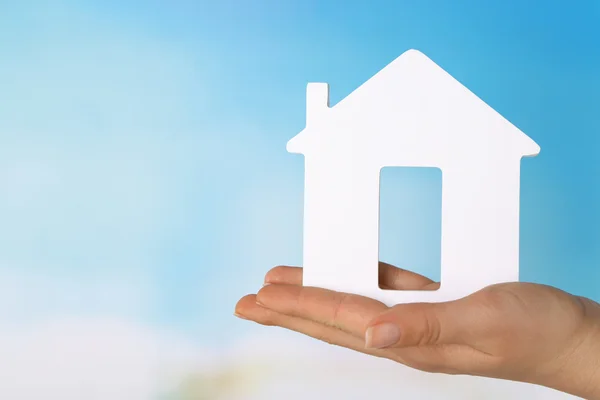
pixel 518 331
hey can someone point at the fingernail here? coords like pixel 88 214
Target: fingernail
pixel 266 284
pixel 240 316
pixel 382 336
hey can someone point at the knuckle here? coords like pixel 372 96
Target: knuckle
pixel 494 295
pixel 341 301
pixel 431 331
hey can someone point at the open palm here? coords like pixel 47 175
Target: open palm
pixel 517 331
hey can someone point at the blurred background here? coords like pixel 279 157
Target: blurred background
pixel 145 186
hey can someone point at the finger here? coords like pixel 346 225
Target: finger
pixel 247 308
pixel 395 278
pixel 390 277
pixel 419 324
pixel 284 275
pixel 348 312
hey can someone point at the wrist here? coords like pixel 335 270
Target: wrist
pixel 577 370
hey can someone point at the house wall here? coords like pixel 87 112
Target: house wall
pixel 341 225
pixel 480 224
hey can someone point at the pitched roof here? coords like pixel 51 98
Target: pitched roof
pixel 423 74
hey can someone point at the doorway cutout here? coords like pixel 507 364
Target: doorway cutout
pixel 410 221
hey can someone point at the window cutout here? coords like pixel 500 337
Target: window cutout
pixel 410 221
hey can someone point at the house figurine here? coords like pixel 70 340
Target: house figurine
pixel 410 114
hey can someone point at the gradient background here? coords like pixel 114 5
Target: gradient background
pixel 145 186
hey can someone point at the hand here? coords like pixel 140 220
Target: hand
pixel 516 331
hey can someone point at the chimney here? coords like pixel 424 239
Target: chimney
pixel 317 101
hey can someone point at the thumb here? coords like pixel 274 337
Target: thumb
pixel 418 324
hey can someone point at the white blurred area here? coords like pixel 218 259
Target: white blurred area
pixel 74 359
pixel 295 367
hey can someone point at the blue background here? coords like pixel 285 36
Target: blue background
pixel 143 170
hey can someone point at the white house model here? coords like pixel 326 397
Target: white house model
pixel 410 114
